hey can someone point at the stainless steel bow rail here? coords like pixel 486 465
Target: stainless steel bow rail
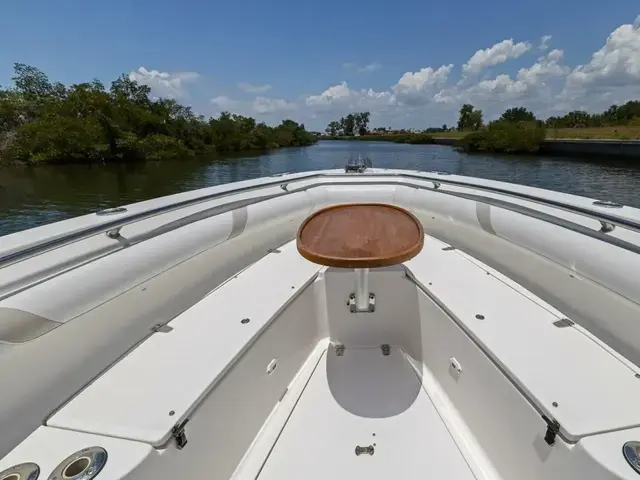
pixel 112 226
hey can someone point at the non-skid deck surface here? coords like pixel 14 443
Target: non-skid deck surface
pixel 364 399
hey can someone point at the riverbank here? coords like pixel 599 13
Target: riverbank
pixel 575 147
pixel 623 142
pixel 596 133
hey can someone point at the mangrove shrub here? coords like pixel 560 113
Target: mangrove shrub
pixel 505 137
pixel 42 121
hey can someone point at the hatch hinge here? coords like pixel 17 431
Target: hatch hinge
pixel 339 350
pixel 161 327
pixel 179 434
pixel 386 349
pixel 553 427
pixel 563 323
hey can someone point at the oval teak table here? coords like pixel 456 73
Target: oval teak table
pixel 360 236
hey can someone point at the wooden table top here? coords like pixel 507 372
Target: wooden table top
pixel 367 235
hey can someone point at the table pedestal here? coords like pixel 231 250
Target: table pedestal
pixel 360 236
pixel 362 289
pixel 362 300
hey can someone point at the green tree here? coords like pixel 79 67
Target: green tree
pixel 470 118
pixel 31 83
pixel 334 128
pixel 362 122
pixel 348 124
pixel 475 120
pixel 517 114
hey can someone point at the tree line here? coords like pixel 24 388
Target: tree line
pixel 471 119
pixel 615 115
pixel 350 125
pixel 41 121
pixel 519 131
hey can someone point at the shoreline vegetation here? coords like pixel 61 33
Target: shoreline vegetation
pixel 412 138
pixel 516 131
pixel 44 122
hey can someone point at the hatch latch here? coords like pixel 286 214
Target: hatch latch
pixel 179 434
pixel 370 450
pixel 553 427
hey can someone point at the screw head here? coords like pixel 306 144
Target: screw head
pixel 172 413
pixel 480 317
pixel 244 321
pixel 637 375
pixel 555 404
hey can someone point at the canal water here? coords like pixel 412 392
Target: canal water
pixel 34 196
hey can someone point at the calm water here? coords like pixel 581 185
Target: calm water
pixel 34 196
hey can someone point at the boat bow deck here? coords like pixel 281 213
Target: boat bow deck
pixel 365 399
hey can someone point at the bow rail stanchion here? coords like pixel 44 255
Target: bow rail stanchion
pixel 360 236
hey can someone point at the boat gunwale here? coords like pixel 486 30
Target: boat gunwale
pixel 46 245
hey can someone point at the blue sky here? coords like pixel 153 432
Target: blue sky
pixel 411 63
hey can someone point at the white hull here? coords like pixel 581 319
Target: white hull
pixel 457 397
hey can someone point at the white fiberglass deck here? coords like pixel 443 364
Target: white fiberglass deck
pixel 364 398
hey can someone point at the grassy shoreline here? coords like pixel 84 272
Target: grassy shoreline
pixel 596 133
pixel 520 138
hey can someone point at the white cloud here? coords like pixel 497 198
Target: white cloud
pixel 544 43
pixel 529 87
pixel 162 84
pixel 499 53
pixel 370 99
pixel 429 89
pixel 415 88
pixel 250 88
pixel 372 67
pixel 340 99
pixel 262 105
pixel 423 78
pixel 544 69
pixel 223 103
pixel 616 64
pixel 330 96
pixel 432 95
pixel 270 108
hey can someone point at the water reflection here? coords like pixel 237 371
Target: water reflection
pixel 35 196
